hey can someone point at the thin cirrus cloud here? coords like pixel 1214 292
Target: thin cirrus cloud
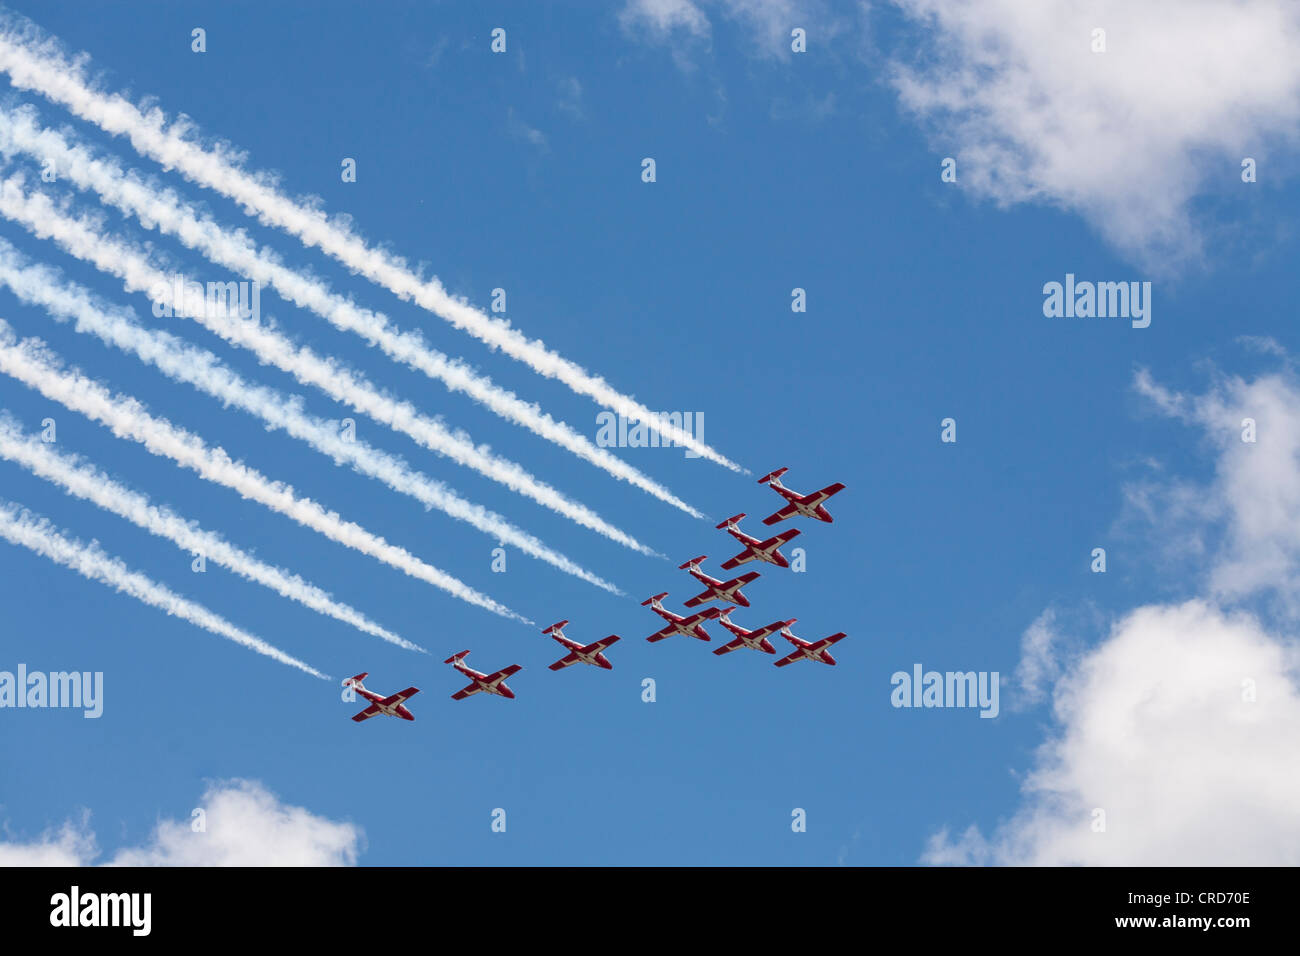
pixel 244 824
pixel 1174 736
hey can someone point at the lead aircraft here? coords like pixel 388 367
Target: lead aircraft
pixel 810 505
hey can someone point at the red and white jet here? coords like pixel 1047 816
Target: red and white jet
pixel 494 683
pixel 725 592
pixel 756 550
pixel 804 651
pixel 757 640
pixel 392 706
pixel 810 506
pixel 686 626
pixel 578 654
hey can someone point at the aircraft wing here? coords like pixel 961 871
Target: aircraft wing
pixel 503 673
pixel 367 713
pixel 700 599
pixel 743 558
pixel 661 634
pixel 467 692
pixel 727 648
pixel 831 490
pixel 784 536
pixel 781 515
pixel 767 629
pixel 708 614
pixel 602 644
pixel 400 696
pixel 790 658
pixel 826 642
pixel 565 661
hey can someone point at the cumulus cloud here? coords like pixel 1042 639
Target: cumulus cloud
pixel 1180 728
pixel 244 824
pixel 1127 138
pixel 1174 736
pixel 70 845
pixel 1252 505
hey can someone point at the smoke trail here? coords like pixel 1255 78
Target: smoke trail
pixel 87 482
pixel 180 361
pixel 155 206
pixel 20 526
pixel 35 64
pixel 79 237
pixel 35 366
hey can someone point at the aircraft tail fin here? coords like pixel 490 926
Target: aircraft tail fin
pixel 773 476
pixel 456 658
pixel 555 627
pixel 657 597
pixel 732 520
pixel 691 563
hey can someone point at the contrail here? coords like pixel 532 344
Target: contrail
pixel 34 365
pixel 87 482
pixel 38 64
pixel 156 206
pixel 180 361
pixel 20 526
pixel 79 237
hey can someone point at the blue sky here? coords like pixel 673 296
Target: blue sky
pixel 522 171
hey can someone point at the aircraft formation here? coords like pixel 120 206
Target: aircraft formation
pixel 727 594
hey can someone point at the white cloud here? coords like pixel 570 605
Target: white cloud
pixel 1157 733
pixel 521 130
pixel 767 22
pixel 1126 138
pixel 662 18
pixel 70 845
pixel 245 825
pixel 1254 498
pixel 1039 664
pixel 1156 725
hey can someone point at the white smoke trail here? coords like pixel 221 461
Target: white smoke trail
pixel 180 361
pixel 155 206
pixel 87 482
pixel 80 238
pixel 19 526
pixel 34 365
pixel 36 64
